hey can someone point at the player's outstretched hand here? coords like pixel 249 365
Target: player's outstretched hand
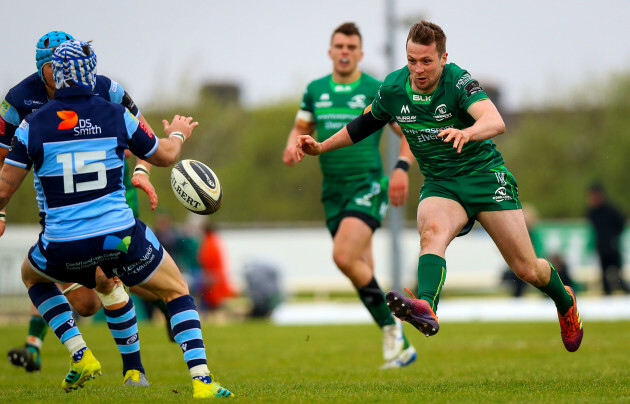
pixel 307 145
pixel 398 187
pixel 180 123
pixel 458 137
pixel 141 181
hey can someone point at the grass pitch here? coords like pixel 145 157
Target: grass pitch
pixel 264 363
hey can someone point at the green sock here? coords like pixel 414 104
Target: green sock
pixel 556 291
pixel 37 328
pixel 374 300
pixel 431 277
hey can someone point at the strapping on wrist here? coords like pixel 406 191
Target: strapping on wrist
pixel 179 135
pixel 141 169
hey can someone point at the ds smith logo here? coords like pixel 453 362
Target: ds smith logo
pixel 70 120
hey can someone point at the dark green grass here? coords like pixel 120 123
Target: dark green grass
pixel 263 363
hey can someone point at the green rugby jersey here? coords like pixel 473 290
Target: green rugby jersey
pixel 131 193
pixel 423 116
pixel 333 106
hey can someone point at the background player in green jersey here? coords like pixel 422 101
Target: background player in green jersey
pixel 354 184
pixel 448 121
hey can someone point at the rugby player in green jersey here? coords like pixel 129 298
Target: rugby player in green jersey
pixel 448 121
pixel 354 185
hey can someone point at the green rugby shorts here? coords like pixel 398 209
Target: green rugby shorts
pixel 365 197
pixel 481 192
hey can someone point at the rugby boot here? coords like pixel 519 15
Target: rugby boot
pixel 83 367
pixel 571 328
pixel 416 312
pixel 27 357
pixel 206 387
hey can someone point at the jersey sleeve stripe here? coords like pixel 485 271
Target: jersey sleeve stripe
pixel 16 163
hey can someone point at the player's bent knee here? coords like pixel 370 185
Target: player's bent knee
pixel 430 236
pixel 173 294
pixel 84 301
pixel 29 276
pixel 342 259
pixel 115 297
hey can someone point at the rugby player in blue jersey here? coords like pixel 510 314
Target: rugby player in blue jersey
pixel 88 222
pixel 29 95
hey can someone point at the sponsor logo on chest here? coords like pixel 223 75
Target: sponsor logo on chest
pixel 36 103
pixel 357 101
pixel 441 113
pixel 421 98
pixel 407 117
pixel 324 101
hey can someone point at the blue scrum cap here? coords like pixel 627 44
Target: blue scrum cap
pixel 74 61
pixel 46 46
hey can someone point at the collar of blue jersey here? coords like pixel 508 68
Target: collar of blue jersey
pixel 75 91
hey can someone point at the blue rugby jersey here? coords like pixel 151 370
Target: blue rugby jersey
pixel 30 95
pixel 76 145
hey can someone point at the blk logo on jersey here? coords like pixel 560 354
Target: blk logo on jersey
pixel 69 119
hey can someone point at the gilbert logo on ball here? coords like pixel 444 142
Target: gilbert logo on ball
pixel 196 187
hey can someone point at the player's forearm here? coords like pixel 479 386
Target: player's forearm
pixel 404 152
pixel 292 138
pixel 337 141
pixel 486 129
pixel 142 167
pixel 167 152
pixel 10 179
pixel 488 121
pixel 301 127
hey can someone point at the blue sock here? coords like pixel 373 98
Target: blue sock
pixel 187 330
pixel 124 328
pixel 55 309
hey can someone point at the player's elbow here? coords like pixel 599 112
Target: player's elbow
pixel 498 126
pixel 163 158
pixel 501 127
pixel 165 155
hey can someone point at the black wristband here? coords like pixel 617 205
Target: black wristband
pixel 402 164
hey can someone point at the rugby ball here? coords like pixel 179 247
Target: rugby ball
pixel 196 187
